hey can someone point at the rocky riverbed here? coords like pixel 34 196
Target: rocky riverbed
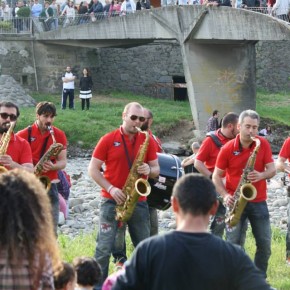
pixel 85 197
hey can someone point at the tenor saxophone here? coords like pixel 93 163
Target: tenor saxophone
pixel 134 185
pixel 4 143
pixel 245 191
pixel 54 149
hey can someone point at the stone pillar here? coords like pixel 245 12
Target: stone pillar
pixel 219 76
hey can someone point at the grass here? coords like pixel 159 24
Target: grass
pixel 278 272
pixel 275 106
pixel 84 128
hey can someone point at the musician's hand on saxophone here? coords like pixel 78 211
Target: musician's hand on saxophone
pixel 144 169
pixel 118 195
pixel 255 176
pixel 6 160
pixel 48 166
pixel 229 200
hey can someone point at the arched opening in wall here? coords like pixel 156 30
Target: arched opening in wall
pixel 24 80
pixel 180 89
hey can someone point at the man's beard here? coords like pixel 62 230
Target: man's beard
pixel 144 126
pixel 3 129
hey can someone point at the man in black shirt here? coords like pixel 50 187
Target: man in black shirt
pixel 190 257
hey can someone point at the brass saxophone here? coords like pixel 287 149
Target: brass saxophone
pixel 54 149
pixel 134 185
pixel 4 143
pixel 245 191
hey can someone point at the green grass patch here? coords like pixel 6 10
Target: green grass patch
pixel 278 272
pixel 86 127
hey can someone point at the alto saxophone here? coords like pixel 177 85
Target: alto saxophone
pixel 245 191
pixel 134 185
pixel 54 149
pixel 4 143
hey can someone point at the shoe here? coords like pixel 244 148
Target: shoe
pixel 288 262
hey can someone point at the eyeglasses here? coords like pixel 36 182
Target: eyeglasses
pixel 11 116
pixel 134 118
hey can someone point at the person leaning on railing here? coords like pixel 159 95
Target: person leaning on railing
pixel 46 16
pixel 96 10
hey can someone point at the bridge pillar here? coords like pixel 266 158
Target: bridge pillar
pixel 219 76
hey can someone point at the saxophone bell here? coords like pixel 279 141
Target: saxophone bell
pixel 142 187
pixel 45 181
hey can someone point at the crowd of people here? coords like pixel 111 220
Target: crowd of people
pixel 52 14
pixel 228 157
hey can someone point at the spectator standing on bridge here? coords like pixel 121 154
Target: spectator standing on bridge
pixel 281 9
pixel 36 9
pixel 115 8
pixel 46 16
pixel 83 11
pixel 127 7
pixel 55 9
pixel 69 12
pixel 68 88
pixel 96 11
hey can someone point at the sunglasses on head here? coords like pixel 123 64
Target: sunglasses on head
pixel 11 116
pixel 134 118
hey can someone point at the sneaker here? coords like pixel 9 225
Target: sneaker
pixel 288 261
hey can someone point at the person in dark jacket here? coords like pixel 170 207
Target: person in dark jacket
pixel 190 258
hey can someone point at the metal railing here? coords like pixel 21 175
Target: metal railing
pixel 16 25
pixel 29 25
pixel 269 11
pixel 66 21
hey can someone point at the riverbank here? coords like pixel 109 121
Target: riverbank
pixel 85 198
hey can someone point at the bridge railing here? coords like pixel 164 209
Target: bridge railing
pixel 29 25
pixel 269 11
pixel 16 25
pixel 79 19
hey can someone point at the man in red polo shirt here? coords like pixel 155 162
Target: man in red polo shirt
pixel 206 159
pixel 283 165
pixel 18 154
pixel 40 139
pixel 231 162
pixel 117 150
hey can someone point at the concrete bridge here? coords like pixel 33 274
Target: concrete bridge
pixel 217 48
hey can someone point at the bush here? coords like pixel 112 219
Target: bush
pixel 5 25
pixel 23 12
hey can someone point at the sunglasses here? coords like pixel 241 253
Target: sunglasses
pixel 11 116
pixel 134 118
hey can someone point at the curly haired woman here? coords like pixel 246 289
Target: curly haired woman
pixel 28 249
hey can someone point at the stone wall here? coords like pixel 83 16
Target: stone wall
pixel 145 70
pixel 273 65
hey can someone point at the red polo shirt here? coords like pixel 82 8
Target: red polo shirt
pixel 37 140
pixel 19 150
pixel 285 150
pixel 208 150
pixel 233 159
pixel 111 150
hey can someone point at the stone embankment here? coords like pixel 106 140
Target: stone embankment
pixel 85 198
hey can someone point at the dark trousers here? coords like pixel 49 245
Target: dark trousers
pixel 85 102
pixel 68 93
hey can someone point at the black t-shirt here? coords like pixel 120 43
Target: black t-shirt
pixel 190 261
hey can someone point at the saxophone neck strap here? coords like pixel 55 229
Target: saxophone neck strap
pixel 130 162
pixel 43 147
pixel 29 129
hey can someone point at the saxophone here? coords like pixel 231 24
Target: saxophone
pixel 245 191
pixel 134 185
pixel 4 143
pixel 54 149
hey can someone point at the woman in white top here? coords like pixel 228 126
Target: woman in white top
pixel 69 12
